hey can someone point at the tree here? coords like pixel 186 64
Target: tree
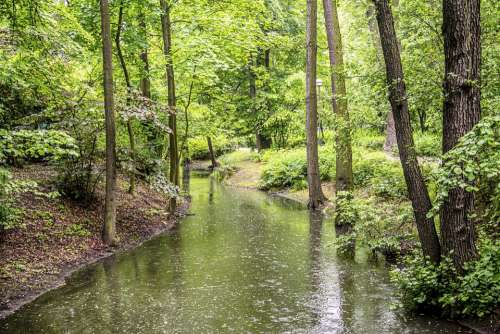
pixel 212 154
pixel 417 189
pixel 316 197
pixel 166 28
pixel 461 111
pixel 109 228
pixel 343 167
pixel 128 83
pixel 390 131
pixel 145 81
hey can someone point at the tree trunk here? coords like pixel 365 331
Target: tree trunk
pixel 172 122
pixel 462 49
pixel 417 189
pixel 145 82
pixel 343 175
pixel 109 228
pixel 316 197
pixel 130 129
pixel 261 141
pixel 390 130
pixel 212 154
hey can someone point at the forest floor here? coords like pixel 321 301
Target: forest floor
pixel 59 236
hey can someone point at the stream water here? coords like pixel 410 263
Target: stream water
pixel 244 262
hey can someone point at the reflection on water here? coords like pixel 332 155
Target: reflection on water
pixel 244 262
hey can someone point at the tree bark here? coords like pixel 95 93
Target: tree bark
pixel 212 154
pixel 417 189
pixel 461 111
pixel 172 122
pixel 390 130
pixel 130 129
pixel 145 82
pixel 261 142
pixel 343 174
pixel 109 228
pixel 316 196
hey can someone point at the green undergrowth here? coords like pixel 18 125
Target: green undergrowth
pixel 430 288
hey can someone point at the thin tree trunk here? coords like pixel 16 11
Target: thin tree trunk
pixel 109 228
pixel 212 154
pixel 261 141
pixel 343 175
pixel 462 110
pixel 417 189
pixel 316 196
pixel 126 75
pixel 145 82
pixel 390 130
pixel 172 122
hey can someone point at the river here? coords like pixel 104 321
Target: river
pixel 243 262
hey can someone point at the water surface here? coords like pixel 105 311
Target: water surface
pixel 243 263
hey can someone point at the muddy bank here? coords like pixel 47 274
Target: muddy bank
pixel 57 237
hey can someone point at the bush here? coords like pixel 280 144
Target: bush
pixel 425 287
pixel 369 140
pixel 428 144
pixel 375 170
pixel 389 182
pixel 288 168
pixel 382 227
pixel 35 145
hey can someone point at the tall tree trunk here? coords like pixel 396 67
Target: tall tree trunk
pixel 145 82
pixel 390 130
pixel 172 122
pixel 417 189
pixel 462 49
pixel 109 228
pixel 212 154
pixel 261 141
pixel 126 75
pixel 343 175
pixel 316 197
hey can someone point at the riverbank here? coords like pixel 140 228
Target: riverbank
pixel 58 236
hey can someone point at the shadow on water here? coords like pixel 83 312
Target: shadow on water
pixel 244 262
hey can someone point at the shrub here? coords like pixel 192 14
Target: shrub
pixel 425 287
pixel 389 182
pixel 384 228
pixel 369 140
pixel 35 145
pixel 366 165
pixel 384 176
pixel 428 144
pixel 288 168
pixel 284 169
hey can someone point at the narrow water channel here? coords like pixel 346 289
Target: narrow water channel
pixel 242 263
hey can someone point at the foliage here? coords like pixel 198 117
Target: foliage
pixel 428 144
pixel 288 168
pixel 370 140
pixel 38 145
pixel 375 170
pixel 198 146
pixel 426 287
pixel 382 227
pixel 473 165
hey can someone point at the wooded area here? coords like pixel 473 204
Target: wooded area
pixel 381 114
